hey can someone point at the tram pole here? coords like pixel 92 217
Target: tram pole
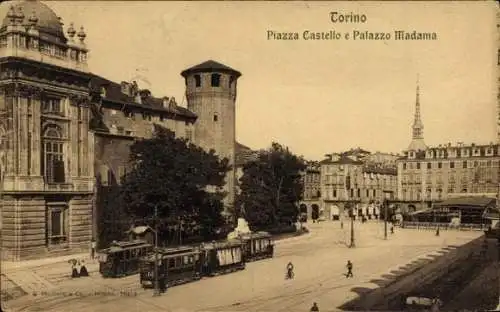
pixel 385 219
pixel 351 208
pixel 352 245
pixel 157 288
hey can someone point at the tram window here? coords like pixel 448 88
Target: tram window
pixel 186 260
pixel 171 263
pixel 196 257
pixel 190 258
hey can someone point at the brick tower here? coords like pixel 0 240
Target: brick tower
pixel 211 95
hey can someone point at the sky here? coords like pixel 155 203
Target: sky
pixel 315 97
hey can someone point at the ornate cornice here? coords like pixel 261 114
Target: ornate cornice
pixel 79 100
pixel 29 91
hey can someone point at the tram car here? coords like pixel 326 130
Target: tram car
pixel 175 266
pixel 222 257
pixel 122 258
pixel 185 264
pixel 256 246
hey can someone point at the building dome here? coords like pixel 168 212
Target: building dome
pixel 48 22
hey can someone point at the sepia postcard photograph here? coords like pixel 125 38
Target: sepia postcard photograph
pixel 251 156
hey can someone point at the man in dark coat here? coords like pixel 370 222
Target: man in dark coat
pixel 289 270
pixel 349 269
pixel 314 308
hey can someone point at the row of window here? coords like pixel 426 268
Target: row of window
pixel 145 116
pixel 368 193
pixel 452 165
pixel 455 153
pixel 215 80
pixel 488 175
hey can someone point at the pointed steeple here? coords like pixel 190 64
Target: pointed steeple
pixel 417 142
pixel 418 126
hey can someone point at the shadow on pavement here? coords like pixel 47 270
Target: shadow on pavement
pixel 446 288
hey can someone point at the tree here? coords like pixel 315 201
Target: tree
pixel 180 179
pixel 271 187
pixel 113 220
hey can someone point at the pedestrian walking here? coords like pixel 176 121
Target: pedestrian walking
pixel 349 269
pixel 314 307
pixel 289 270
pixel 93 246
pixel 341 224
pixel 392 229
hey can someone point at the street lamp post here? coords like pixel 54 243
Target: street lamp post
pixel 351 211
pixel 353 244
pixel 385 218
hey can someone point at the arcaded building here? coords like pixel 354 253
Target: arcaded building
pixel 354 179
pixel 311 196
pixel 430 174
pixel 65 132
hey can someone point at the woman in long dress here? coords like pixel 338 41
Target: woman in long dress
pixel 74 271
pixel 83 270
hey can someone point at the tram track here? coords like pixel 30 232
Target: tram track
pixel 286 301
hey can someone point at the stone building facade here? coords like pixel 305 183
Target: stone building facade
pixel 439 172
pixel 348 180
pixel 430 174
pixel 122 113
pixel 311 196
pixel 65 132
pixel 47 148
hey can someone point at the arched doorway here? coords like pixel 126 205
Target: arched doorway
pixel 315 212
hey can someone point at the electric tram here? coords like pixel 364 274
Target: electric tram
pixel 122 258
pixel 257 246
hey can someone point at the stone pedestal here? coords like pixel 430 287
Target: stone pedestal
pixel 241 228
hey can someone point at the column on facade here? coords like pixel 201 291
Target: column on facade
pixel 80 222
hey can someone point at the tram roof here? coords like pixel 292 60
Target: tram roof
pixel 152 257
pixel 221 244
pixel 175 250
pixel 125 245
pixel 261 234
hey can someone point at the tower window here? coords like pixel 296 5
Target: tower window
pixel 216 117
pixel 197 80
pixel 231 80
pixel 215 80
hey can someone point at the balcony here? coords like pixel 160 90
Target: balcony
pixel 58 187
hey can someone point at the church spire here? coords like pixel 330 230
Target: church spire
pixel 417 142
pixel 418 126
